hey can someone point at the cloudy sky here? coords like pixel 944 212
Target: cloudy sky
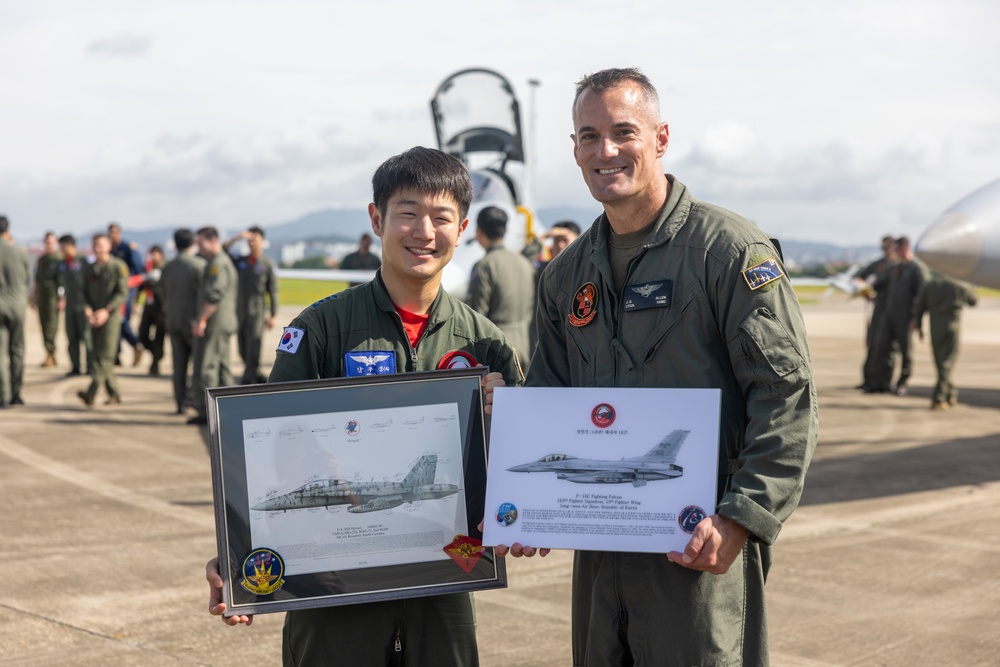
pixel 833 121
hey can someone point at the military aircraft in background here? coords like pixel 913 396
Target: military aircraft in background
pixel 363 497
pixel 657 464
pixel 842 282
pixel 964 242
pixel 477 118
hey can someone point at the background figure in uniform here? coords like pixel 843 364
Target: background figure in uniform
pixel 362 259
pixel 876 274
pixel 561 235
pixel 45 296
pixel 216 320
pixel 105 288
pixel 943 298
pixel 15 281
pixel 502 286
pixel 257 279
pixel 129 254
pixel 151 327
pixel 181 283
pixel 903 281
pixel 77 327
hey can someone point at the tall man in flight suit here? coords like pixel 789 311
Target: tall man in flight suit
pixel 15 278
pixel 421 198
pixel 45 296
pixel 943 299
pixel 216 321
pixel 683 294
pixel 105 289
pixel 257 278
pixel 77 326
pixel 128 253
pixel 902 282
pixel 181 282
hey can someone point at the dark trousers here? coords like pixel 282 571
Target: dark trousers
pixel 151 331
pixel 11 352
pixel 248 341
pixel 77 332
pixel 181 351
pixel 126 328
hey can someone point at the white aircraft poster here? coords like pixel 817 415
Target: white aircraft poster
pixel 601 468
pixel 356 489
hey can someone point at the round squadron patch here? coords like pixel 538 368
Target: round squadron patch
pixel 457 359
pixel 584 305
pixel 263 572
pixel 603 415
pixel 690 517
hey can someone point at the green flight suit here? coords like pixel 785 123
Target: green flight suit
pixel 211 351
pixel 15 278
pixel 686 317
pixel 105 287
pixel 943 300
pixel 903 281
pixel 47 297
pixel 77 327
pixel 257 278
pixel 438 630
pixel 181 283
pixel 502 288
pixel 878 270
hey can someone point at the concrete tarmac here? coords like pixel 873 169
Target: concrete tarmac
pixel 890 560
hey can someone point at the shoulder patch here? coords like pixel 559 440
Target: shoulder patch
pixel 291 338
pixel 762 272
pixel 324 300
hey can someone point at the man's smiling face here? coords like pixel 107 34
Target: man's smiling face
pixel 618 143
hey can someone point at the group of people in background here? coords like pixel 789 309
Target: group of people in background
pixel 902 295
pixel 200 299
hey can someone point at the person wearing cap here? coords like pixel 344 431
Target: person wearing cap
pixel 502 286
pixel 257 300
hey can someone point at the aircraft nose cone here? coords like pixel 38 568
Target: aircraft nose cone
pixel 521 468
pixel 952 245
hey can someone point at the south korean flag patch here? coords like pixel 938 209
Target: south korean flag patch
pixel 290 339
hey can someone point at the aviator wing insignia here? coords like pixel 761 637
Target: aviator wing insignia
pixel 645 290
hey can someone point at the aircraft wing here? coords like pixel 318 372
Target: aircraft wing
pixel 377 504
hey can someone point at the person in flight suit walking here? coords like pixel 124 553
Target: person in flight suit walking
pixel 181 283
pixel 15 278
pixel 943 299
pixel 257 301
pixel 77 327
pixel 105 289
pixel 45 296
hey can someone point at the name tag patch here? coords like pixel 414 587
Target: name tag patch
pixel 291 337
pixel 653 294
pixel 369 362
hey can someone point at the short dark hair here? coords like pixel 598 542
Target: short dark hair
pixel 67 239
pixel 114 225
pixel 425 170
pixel 155 248
pixel 210 233
pixel 492 221
pixel 183 239
pixel 613 77
pixel 256 230
pixel 903 241
pixel 567 224
pixel 48 234
pixel 4 224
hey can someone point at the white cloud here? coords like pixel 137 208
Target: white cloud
pixel 122 44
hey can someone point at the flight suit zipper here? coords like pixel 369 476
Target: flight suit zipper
pixel 621 306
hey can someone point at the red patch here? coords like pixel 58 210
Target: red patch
pixel 457 359
pixel 584 305
pixel 603 415
pixel 466 551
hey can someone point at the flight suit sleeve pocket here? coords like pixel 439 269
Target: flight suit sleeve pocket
pixel 769 346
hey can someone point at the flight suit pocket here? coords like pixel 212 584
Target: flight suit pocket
pixel 770 349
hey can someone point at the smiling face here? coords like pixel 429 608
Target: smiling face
pixel 419 233
pixel 618 144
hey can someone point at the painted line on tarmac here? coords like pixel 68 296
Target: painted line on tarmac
pixel 100 635
pixel 100 487
pixel 815 522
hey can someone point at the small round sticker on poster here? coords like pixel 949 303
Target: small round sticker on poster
pixel 507 514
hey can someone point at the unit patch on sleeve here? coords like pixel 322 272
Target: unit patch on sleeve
pixel 369 362
pixel 652 294
pixel 762 272
pixel 290 339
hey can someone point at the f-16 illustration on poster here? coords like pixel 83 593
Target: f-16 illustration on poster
pixel 655 465
pixel 364 497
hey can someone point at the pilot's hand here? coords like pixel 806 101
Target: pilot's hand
pixel 490 382
pixel 516 550
pixel 216 607
pixel 713 547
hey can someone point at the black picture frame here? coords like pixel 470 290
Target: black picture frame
pixel 254 575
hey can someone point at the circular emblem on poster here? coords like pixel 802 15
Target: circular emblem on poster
pixel 352 427
pixel 603 415
pixel 690 517
pixel 263 572
pixel 507 514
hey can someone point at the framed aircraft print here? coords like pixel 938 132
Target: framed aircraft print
pixel 601 469
pixel 333 492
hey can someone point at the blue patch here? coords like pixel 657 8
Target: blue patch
pixel 690 517
pixel 650 294
pixel 369 362
pixel 325 299
pixel 759 275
